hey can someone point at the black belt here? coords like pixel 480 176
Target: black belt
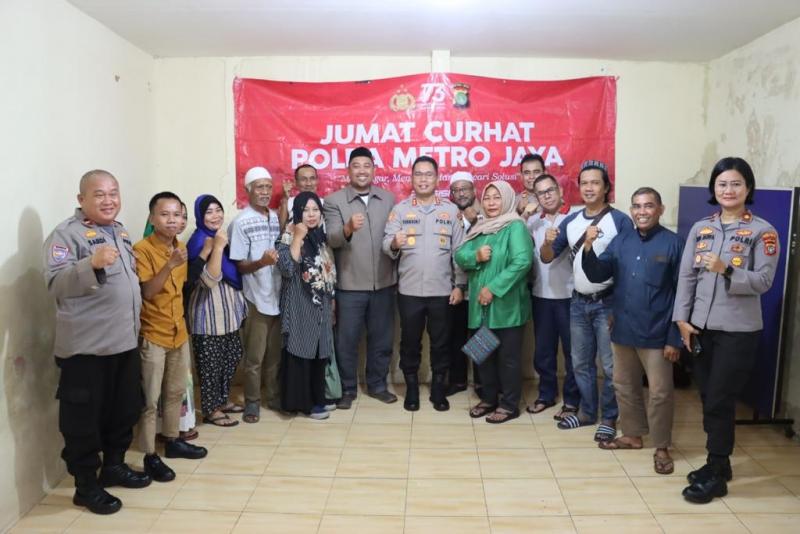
pixel 594 297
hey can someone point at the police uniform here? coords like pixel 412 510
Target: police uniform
pixel 427 276
pixel 726 308
pixel 97 326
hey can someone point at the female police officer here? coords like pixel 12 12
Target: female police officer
pixel 729 261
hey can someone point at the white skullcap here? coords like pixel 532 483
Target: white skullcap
pixel 256 173
pixel 462 176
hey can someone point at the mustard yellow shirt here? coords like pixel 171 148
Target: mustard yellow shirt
pixel 162 316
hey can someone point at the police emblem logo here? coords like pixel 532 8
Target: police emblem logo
pixel 412 240
pixel 737 261
pixel 402 100
pixel 770 240
pixel 90 233
pixel 744 232
pixel 698 258
pixel 442 241
pixel 461 95
pixel 737 247
pixel 747 217
pixel 707 230
pixel 59 253
pixel 770 249
pixel 702 245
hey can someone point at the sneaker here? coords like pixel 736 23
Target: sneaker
pixel 330 407
pixel 319 413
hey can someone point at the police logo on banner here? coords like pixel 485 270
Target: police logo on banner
pixel 461 95
pixel 402 100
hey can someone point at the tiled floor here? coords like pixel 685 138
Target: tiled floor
pixel 379 469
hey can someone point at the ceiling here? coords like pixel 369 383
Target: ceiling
pixel 669 30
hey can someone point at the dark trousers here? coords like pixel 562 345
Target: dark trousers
pixel 501 374
pixel 459 333
pixel 722 371
pixel 354 310
pixel 551 323
pixel 415 314
pixel 100 401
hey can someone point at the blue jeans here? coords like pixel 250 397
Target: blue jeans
pixel 550 323
pixel 591 338
pixel 354 311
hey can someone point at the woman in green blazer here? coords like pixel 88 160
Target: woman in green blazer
pixel 497 255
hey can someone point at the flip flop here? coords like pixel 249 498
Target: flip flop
pixel 216 421
pixel 565 411
pixel 572 421
pixel 232 408
pixel 539 406
pixel 617 445
pixel 504 416
pixel 481 409
pixel 663 466
pixel 605 433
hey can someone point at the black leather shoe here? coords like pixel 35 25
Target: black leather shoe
pixel 452 389
pixel 346 402
pixel 97 500
pixel 156 469
pixel 703 491
pixel 411 401
pixel 177 448
pixel 705 472
pixel 439 393
pixel 122 475
pixel 385 396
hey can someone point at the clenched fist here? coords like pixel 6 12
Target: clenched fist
pixel 399 240
pixel 483 254
pixel 178 257
pixel 551 234
pixel 270 257
pixel 356 222
pixel 592 233
pixel 103 256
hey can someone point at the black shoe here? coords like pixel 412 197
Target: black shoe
pixel 385 396
pixel 97 500
pixel 177 448
pixel 452 389
pixel 346 402
pixel 438 393
pixel 411 402
pixel 703 491
pixel 705 472
pixel 122 475
pixel 156 469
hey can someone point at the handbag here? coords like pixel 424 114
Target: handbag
pixel 482 343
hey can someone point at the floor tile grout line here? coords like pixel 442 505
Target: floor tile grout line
pixel 560 490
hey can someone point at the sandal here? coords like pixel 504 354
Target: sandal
pixel 539 406
pixel 251 412
pixel 618 444
pixel 565 411
pixel 501 415
pixel 605 433
pixel 232 407
pixel 572 421
pixel 218 421
pixel 663 466
pixel 481 409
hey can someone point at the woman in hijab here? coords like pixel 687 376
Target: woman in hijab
pixel 309 277
pixel 497 255
pixel 215 313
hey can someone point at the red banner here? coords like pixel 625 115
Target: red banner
pixel 467 123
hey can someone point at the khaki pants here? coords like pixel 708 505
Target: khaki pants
pixel 636 417
pixel 163 375
pixel 260 333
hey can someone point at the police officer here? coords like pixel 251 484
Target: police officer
pixel 422 233
pixel 728 262
pixel 90 270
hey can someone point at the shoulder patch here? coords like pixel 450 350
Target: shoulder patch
pixel 59 253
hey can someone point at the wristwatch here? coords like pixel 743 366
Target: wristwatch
pixel 728 272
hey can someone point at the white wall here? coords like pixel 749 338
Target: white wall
pixel 754 112
pixel 63 112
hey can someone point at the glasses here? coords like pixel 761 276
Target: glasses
pixel 546 192
pixel 420 174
